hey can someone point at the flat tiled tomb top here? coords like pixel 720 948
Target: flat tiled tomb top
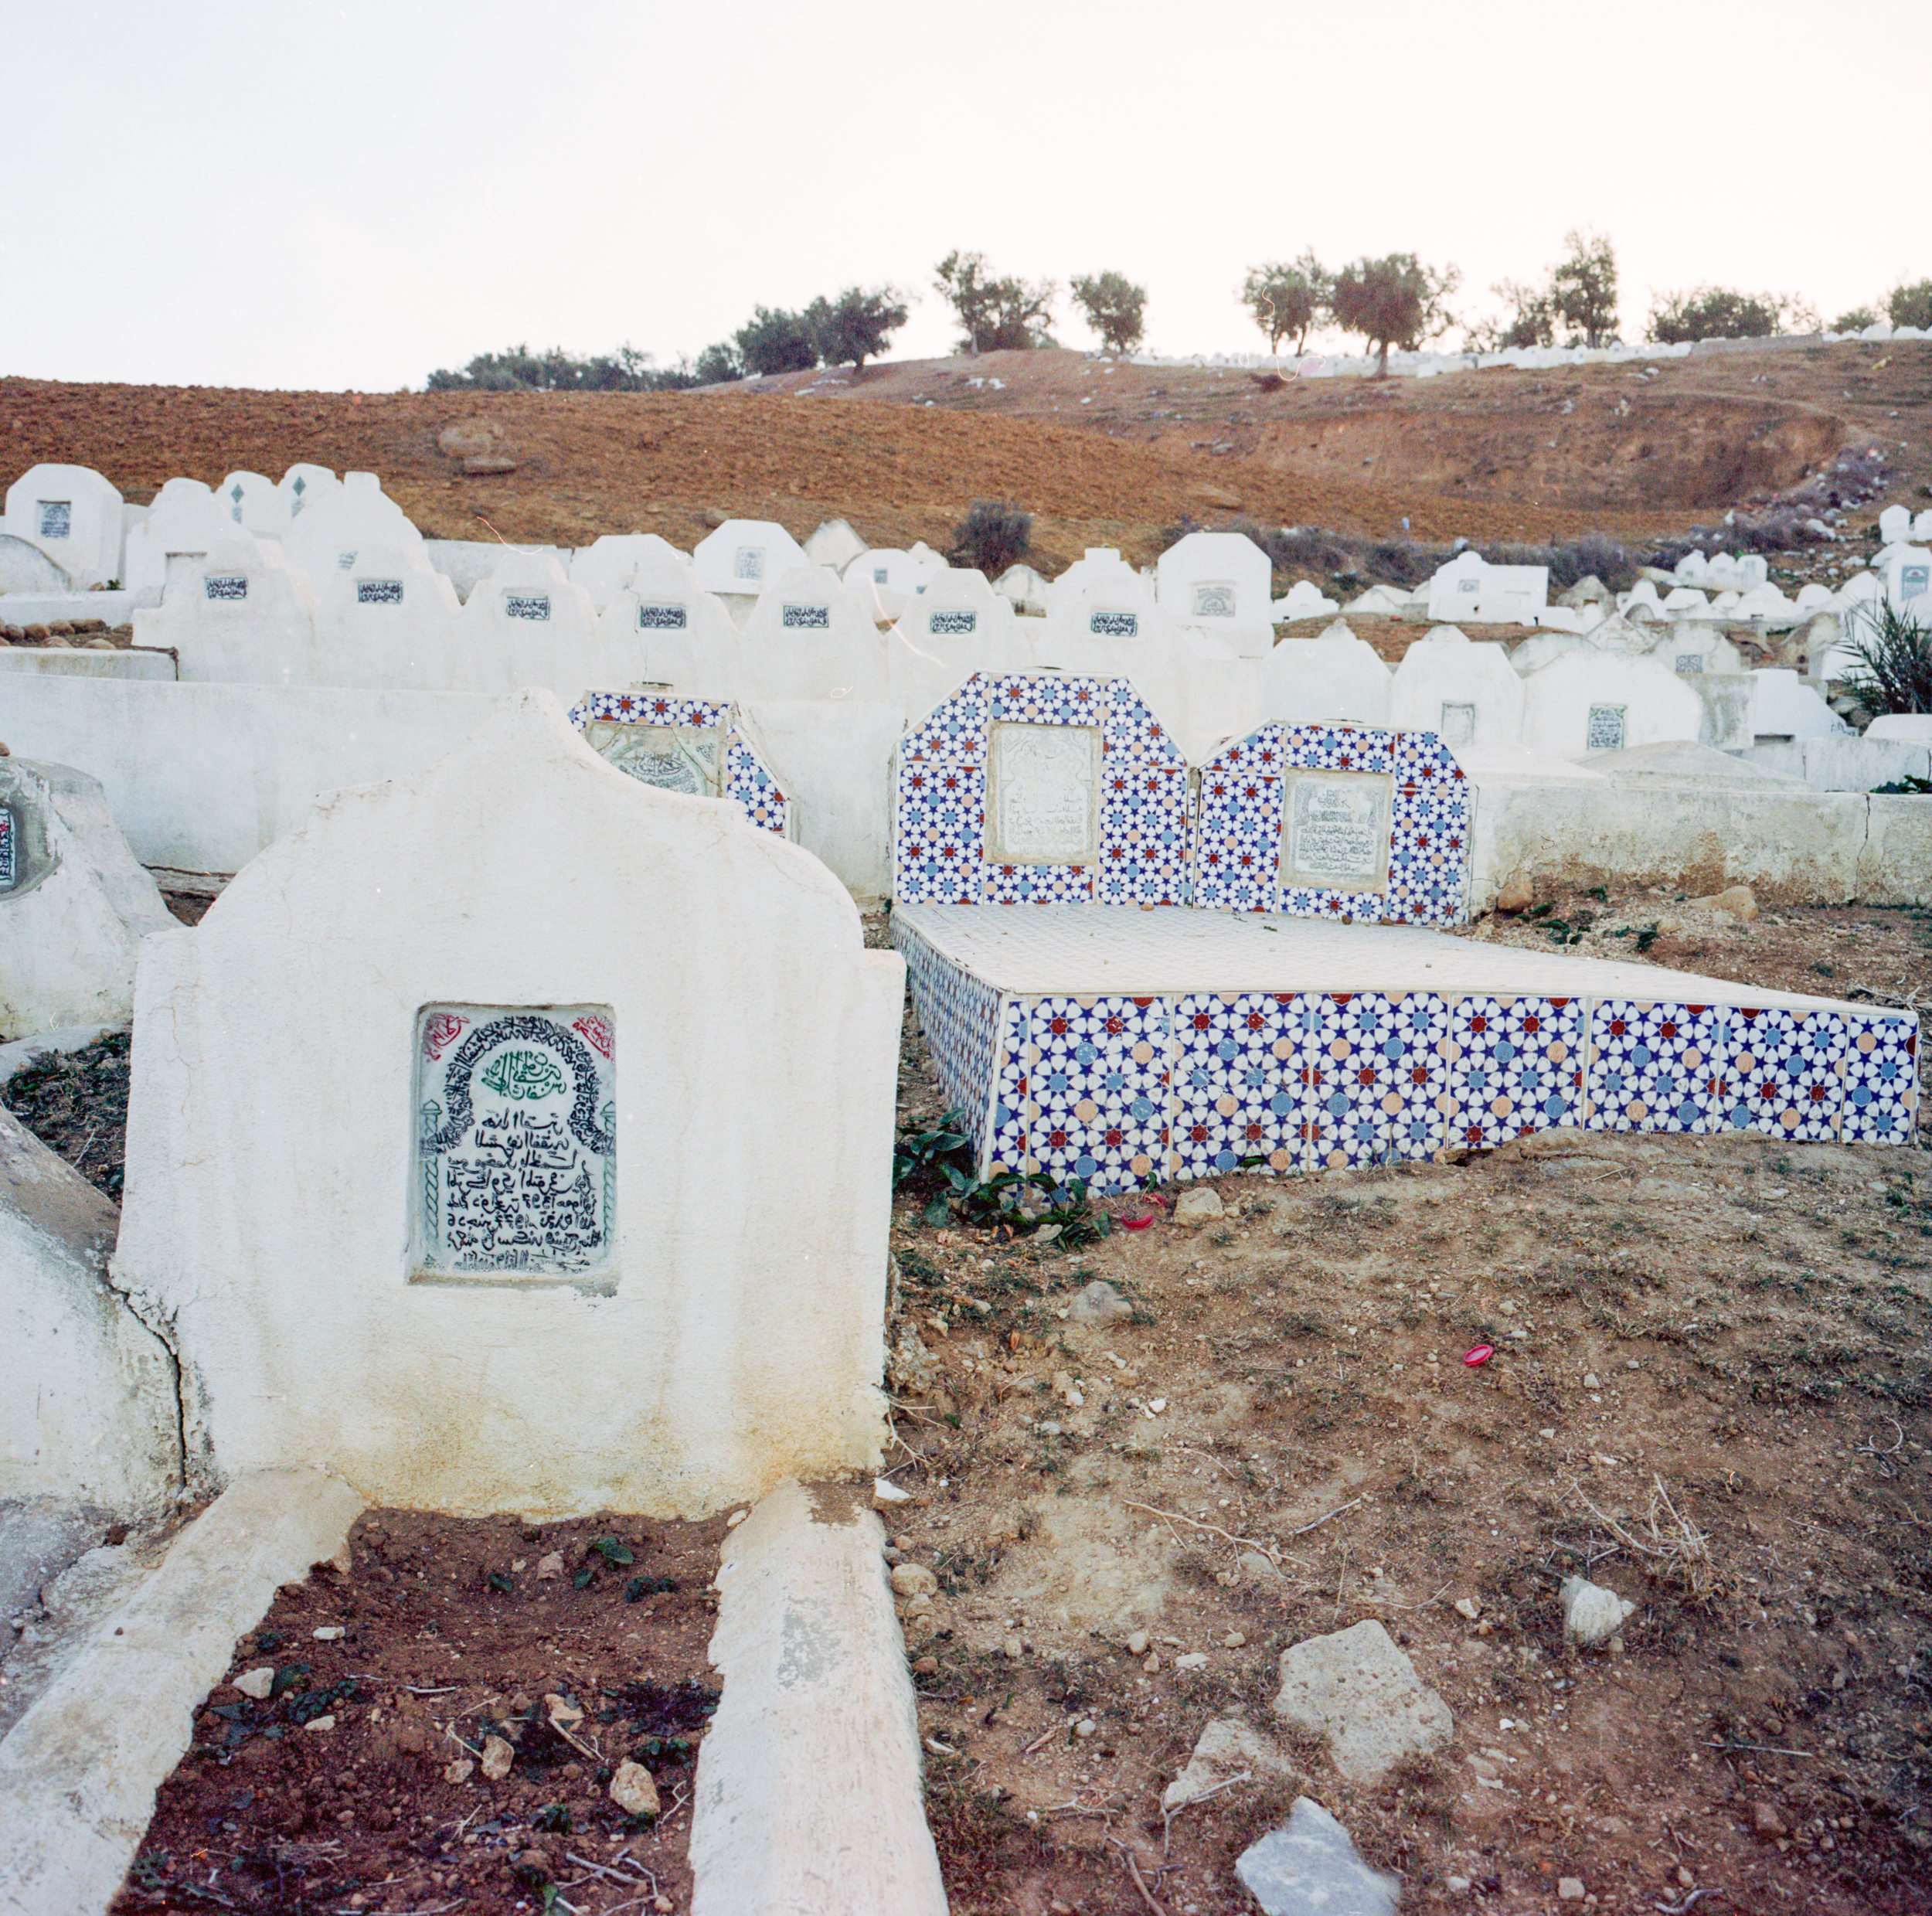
pixel 1079 950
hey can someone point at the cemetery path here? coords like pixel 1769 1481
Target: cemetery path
pixel 1709 1392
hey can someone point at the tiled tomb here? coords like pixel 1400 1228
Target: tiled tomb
pixel 1037 788
pixel 1123 1047
pixel 703 747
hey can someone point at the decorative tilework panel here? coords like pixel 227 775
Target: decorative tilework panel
pixel 1377 1079
pixel 1784 1071
pixel 1012 1089
pixel 1237 1084
pixel 1881 1080
pixel 747 779
pixel 1656 1067
pixel 1516 1066
pixel 1099 1091
pixel 959 1013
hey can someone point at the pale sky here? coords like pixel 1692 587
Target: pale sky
pixel 300 194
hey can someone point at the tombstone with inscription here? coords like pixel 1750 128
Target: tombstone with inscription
pixel 705 748
pixel 808 638
pixel 255 502
pixel 303 485
pixel 386 620
pixel 74 516
pixel 1025 591
pixel 684 636
pixel 489 1206
pixel 1467 694
pixel 185 523
pixel 1105 622
pixel 331 530
pixel 958 626
pixel 888 580
pixel 833 544
pixel 746 556
pixel 1587 701
pixel 237 615
pixel 1040 788
pixel 527 624
pixel 604 567
pixel 74 904
pixel 1220 582
pixel 1335 678
pixel 1906 572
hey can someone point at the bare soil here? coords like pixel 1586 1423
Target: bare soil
pixel 360 1783
pixel 1729 1333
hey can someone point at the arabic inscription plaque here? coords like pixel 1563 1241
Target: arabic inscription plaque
pixel 1043 795
pixel 1334 832
pixel 516 1142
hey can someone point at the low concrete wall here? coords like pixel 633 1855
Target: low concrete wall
pixel 1845 763
pixel 86 661
pixel 1796 845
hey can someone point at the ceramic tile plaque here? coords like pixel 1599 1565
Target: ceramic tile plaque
pixel 57 518
pixel 1334 831
pixel 1605 732
pixel 527 605
pixel 9 856
pixel 1214 599
pixel 660 618
pixel 516 1146
pixel 1458 725
pixel 748 562
pixel 1043 795
pixel 673 757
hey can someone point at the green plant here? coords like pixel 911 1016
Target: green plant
pixel 1395 301
pixel 996 314
pixel 1855 321
pixel 1288 298
pixel 1894 654
pixel 718 363
pixel 1583 288
pixel 855 326
pixel 1113 307
pixel 1722 312
pixel 773 340
pixel 993 535
pixel 1911 305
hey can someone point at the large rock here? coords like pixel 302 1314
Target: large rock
pixel 1309 1867
pixel 74 904
pixel 1226 1747
pixel 1357 1690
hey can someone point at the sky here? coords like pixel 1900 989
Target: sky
pixel 308 194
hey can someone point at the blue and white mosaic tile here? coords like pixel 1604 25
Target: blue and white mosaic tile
pixel 743 777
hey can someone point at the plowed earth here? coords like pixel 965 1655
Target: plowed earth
pixel 1493 455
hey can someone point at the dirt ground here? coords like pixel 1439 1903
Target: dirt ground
pixel 365 1778
pixel 1724 1338
pixel 1484 456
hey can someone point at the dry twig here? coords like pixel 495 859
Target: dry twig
pixel 1177 1516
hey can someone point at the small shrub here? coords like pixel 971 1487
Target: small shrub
pixel 1894 669
pixel 1855 321
pixel 993 535
pixel 1911 305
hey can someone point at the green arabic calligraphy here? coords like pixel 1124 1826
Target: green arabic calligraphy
pixel 524 1074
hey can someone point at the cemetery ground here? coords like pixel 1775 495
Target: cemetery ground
pixel 1709 1391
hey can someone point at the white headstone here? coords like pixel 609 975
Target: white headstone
pixel 1895 525
pixel 303 485
pixel 1467 694
pixel 1907 576
pixel 387 619
pixel 808 638
pixel 686 637
pixel 185 522
pixel 1789 709
pixel 74 516
pixel 255 503
pixel 331 532
pixel 237 615
pixel 1220 582
pixel 746 556
pixel 834 544
pixel 479 1209
pixel 886 581
pixel 1105 621
pixel 527 624
pixel 1587 701
pixel 1304 600
pixel 604 567
pixel 958 626
pixel 1334 679
pixel 1025 589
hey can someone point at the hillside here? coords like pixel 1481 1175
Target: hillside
pixel 902 449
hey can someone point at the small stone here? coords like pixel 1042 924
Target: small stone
pixel 1226 1747
pixel 885 1495
pixel 1468 1607
pixel 1233 1640
pixel 1767 1825
pixel 1137 1644
pixel 913 1579
pixel 1085 1728
pixel 1199 1206
pixel 1590 1381
pixel 634 1790
pixel 1013 1646
pixel 1258 1569
pixel 549 1568
pixel 460 1770
pixel 1309 1864
pixel 1591 1614
pixel 1099 1303
pixel 736 1518
pixel 329 1633
pixel 1191 1660
pixel 1569 1889
pixel 1354 1688
pixel 255 1683
pixel 1455 1885
pixel 1153 1663
pixel 563 1713
pixel 498 1756
pixel 318 1723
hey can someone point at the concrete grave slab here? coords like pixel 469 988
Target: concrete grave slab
pixel 235 615
pixel 684 637
pixel 746 556
pixel 25 568
pixel 808 638
pixel 73 515
pixel 958 626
